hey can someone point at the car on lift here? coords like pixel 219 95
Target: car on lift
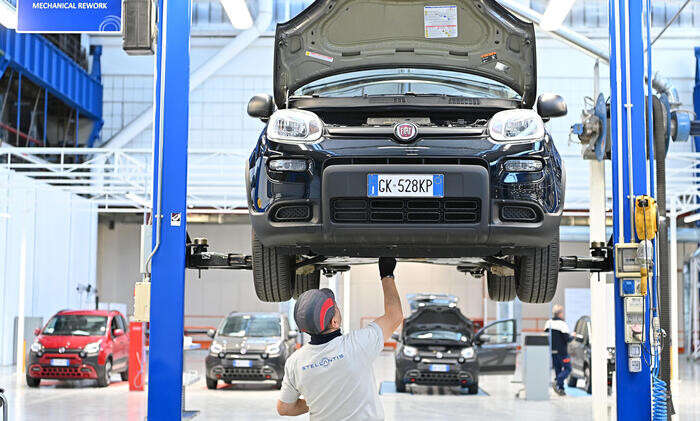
pixel 580 353
pixel 419 300
pixel 249 347
pixel 80 344
pixel 408 130
pixel 438 346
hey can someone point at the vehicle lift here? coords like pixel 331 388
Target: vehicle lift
pixel 637 356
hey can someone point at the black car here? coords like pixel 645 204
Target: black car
pixel 419 300
pixel 405 129
pixel 250 347
pixel 580 353
pixel 438 347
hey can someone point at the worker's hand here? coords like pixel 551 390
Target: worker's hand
pixel 386 267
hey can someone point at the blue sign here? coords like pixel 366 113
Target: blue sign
pixel 69 16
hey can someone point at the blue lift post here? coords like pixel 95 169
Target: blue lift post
pixel 630 172
pixel 168 263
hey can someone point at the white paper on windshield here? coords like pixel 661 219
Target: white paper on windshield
pixel 440 21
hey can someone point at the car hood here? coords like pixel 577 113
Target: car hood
pixel 68 342
pixel 339 36
pixel 250 344
pixel 438 318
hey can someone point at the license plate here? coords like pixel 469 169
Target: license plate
pixel 242 363
pixel 405 185
pixel 443 368
pixel 60 362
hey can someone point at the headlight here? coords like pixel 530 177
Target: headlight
pixel 273 349
pixel 523 165
pixel 293 165
pixel 36 346
pixel 516 125
pixel 294 126
pixel 216 347
pixel 92 348
pixel 410 351
pixel 467 353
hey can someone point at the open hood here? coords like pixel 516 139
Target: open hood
pixel 438 318
pixel 479 37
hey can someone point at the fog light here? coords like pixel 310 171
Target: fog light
pixel 460 360
pixel 83 354
pixel 264 356
pixel 523 165
pixel 36 368
pixel 39 353
pixel 222 355
pixel 416 358
pixel 294 165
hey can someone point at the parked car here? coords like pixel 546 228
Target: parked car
pixel 580 353
pixel 80 344
pixel 416 301
pixel 438 347
pixel 404 129
pixel 250 347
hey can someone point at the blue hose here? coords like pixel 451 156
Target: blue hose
pixel 658 399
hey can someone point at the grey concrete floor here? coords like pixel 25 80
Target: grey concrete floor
pixel 77 401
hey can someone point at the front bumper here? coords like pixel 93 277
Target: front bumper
pixel 465 374
pixel 260 370
pixel 78 368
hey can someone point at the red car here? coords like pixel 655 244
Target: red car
pixel 82 344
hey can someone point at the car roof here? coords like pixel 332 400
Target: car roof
pixel 88 312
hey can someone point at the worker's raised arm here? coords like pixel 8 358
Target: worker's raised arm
pixel 393 314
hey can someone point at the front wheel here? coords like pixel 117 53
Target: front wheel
pixel 273 272
pixel 537 273
pixel 33 381
pixel 400 385
pixel 106 376
pixel 473 389
pixel 212 383
pixel 589 383
pixel 125 374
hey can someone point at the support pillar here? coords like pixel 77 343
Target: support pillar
pixel 170 192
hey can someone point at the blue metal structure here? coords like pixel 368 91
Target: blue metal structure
pixel 630 178
pixel 170 195
pixel 696 96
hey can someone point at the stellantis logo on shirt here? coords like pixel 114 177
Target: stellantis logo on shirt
pixel 325 362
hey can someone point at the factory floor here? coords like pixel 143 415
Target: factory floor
pixel 77 401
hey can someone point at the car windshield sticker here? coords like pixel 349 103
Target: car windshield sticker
pixel 319 56
pixel 487 58
pixel 440 21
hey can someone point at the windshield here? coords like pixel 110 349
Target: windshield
pixel 439 335
pixel 407 81
pixel 255 326
pixel 77 325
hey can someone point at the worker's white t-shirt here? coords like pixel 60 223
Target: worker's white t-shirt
pixel 336 378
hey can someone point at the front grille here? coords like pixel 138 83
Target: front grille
pixel 63 372
pixel 519 213
pixel 430 378
pixel 292 213
pixel 239 373
pixel 448 210
pixel 404 161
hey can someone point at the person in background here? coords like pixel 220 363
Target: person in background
pixel 333 371
pixel 559 339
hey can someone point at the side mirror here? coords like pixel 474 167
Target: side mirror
pixel 261 106
pixel 293 334
pixel 395 336
pixel 482 339
pixel 118 332
pixel 211 333
pixel 37 331
pixel 551 105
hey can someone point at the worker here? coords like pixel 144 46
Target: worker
pixel 333 371
pixel 559 333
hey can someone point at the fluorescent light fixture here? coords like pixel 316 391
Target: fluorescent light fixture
pixel 8 15
pixel 238 13
pixel 692 218
pixel 557 11
pixel 5 215
pixel 140 200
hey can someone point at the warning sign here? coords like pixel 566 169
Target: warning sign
pixel 440 21
pixel 175 219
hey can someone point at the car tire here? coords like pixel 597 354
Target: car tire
pixel 125 374
pixel 400 385
pixel 305 282
pixel 273 273
pixel 537 273
pixel 278 385
pixel 501 288
pixel 33 381
pixel 106 376
pixel 473 389
pixel 573 381
pixel 587 378
pixel 212 384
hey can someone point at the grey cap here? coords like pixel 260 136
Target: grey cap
pixel 314 310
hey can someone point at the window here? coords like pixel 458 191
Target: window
pixel 252 326
pixel 114 325
pixel 500 332
pixel 76 324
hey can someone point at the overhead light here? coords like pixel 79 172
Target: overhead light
pixel 692 218
pixel 238 13
pixel 5 215
pixel 557 11
pixel 8 15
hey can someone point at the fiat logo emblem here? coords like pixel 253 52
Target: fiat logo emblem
pixel 405 132
pixel 243 350
pixel 61 350
pixel 438 355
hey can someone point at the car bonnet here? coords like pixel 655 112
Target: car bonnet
pixel 478 37
pixel 438 317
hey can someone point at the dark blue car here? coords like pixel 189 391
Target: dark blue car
pixel 388 137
